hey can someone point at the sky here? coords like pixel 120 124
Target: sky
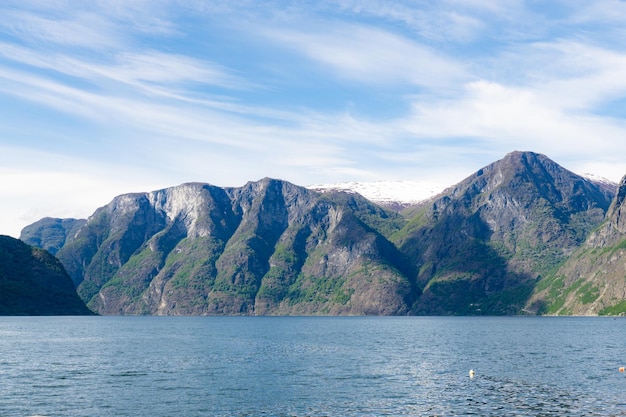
pixel 101 98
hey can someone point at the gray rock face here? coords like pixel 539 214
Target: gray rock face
pixel 269 247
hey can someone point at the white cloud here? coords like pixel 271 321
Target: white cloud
pixel 570 74
pixel 49 93
pixel 145 71
pixel 83 30
pixel 431 21
pixel 93 24
pixel 374 56
pixel 161 117
pixel 508 118
pixel 162 67
pixel 162 111
pixel 484 110
pixel 153 17
pixel 599 12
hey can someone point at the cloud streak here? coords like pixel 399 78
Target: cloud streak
pixel 369 55
pixel 83 31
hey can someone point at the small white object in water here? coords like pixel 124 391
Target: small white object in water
pixel 471 373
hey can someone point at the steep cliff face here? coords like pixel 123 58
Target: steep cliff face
pixel 269 247
pixel 481 245
pixel 33 282
pixel 593 280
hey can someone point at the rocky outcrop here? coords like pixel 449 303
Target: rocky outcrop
pixel 33 282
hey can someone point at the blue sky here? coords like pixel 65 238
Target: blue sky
pixel 101 98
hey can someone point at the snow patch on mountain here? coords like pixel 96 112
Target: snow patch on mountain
pixel 601 181
pixel 389 193
pixel 598 178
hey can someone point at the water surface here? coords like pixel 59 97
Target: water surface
pixel 312 366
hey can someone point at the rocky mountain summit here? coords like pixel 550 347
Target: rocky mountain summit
pixel 33 282
pixel 488 245
pixel 482 245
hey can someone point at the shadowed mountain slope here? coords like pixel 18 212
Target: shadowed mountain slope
pixel 33 282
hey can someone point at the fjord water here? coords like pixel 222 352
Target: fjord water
pixel 312 366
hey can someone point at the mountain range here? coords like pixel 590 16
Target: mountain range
pixel 520 236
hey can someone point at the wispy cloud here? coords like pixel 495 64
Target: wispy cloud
pixel 431 23
pixel 159 67
pixel 370 55
pixel 84 30
pixel 577 75
pixel 599 12
pixel 140 69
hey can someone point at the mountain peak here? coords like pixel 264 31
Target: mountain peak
pixel 493 234
pixel 524 155
pixel 529 161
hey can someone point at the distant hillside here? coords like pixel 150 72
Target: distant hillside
pixel 50 234
pixel 33 282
